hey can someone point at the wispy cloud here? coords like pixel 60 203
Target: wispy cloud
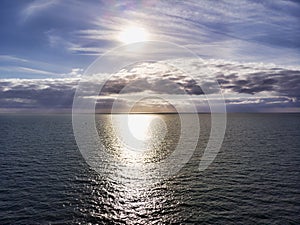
pixel 26 70
pixel 230 30
pixel 254 31
pixel 12 66
pixel 9 58
pixel 37 6
pixel 42 39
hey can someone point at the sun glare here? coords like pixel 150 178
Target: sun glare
pixel 139 126
pixel 133 34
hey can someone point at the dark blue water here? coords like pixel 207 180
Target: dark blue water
pixel 254 179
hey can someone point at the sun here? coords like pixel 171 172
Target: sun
pixel 133 34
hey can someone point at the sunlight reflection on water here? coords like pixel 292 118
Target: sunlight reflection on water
pixel 254 180
pixel 138 138
pixel 138 132
pixel 133 141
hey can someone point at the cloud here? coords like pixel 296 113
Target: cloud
pixel 37 93
pixel 37 6
pixel 12 66
pixel 285 82
pixel 253 31
pixel 61 35
pixel 27 70
pixel 11 58
pixel 233 30
pixel 246 87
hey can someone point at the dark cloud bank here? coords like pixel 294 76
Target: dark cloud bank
pixel 246 88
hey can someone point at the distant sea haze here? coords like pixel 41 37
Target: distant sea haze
pixel 253 180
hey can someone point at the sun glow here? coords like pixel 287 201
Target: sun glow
pixel 139 126
pixel 134 130
pixel 137 136
pixel 133 34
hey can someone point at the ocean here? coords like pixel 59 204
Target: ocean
pixel 253 180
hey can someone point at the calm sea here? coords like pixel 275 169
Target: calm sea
pixel 254 179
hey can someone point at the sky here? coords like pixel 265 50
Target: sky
pixel 251 48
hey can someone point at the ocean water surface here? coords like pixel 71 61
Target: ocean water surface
pixel 253 180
